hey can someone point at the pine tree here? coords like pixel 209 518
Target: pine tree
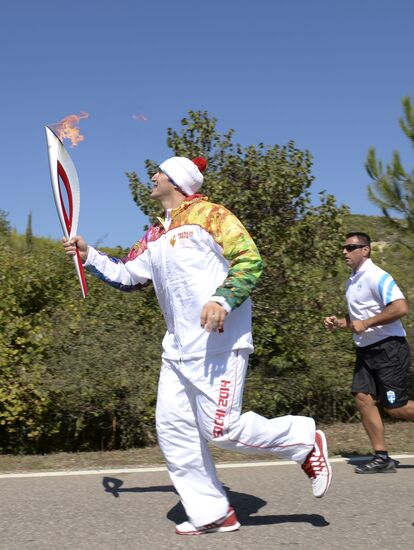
pixel 29 233
pixel 393 186
pixel 5 227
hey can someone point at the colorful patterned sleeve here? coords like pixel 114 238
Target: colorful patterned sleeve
pixel 240 250
pixel 130 273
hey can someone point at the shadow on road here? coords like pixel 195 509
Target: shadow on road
pixel 246 505
pixel 114 486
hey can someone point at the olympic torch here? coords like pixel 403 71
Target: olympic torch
pixel 63 170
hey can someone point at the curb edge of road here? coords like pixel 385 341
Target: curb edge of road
pixel 147 469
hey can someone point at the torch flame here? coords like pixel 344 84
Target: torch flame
pixel 68 128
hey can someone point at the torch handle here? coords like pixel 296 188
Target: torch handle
pixel 81 273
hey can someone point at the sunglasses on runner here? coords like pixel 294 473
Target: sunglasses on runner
pixel 352 247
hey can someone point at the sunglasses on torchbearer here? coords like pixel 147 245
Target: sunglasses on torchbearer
pixel 352 247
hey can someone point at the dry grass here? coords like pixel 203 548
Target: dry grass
pixel 343 440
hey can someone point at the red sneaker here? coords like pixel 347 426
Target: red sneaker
pixel 317 467
pixel 228 523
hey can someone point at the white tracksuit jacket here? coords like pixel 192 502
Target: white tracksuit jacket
pixel 206 252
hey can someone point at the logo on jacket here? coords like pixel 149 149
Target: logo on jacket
pixel 391 396
pixel 181 235
pixel 185 234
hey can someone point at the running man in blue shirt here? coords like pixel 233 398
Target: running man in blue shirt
pixel 375 308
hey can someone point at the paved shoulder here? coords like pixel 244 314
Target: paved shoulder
pixel 274 502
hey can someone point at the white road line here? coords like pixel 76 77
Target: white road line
pixel 144 470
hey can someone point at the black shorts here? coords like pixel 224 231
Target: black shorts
pixel 381 369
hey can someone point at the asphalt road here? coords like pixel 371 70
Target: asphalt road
pixel 274 503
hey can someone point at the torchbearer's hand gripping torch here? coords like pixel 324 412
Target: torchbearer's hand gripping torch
pixel 62 168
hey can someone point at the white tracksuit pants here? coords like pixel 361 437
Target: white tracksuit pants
pixel 200 401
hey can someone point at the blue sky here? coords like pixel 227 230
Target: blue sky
pixel 328 74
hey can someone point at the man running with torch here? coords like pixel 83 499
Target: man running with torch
pixel 204 265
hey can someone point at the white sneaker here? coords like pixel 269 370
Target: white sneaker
pixel 228 523
pixel 317 467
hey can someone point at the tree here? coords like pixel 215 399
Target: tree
pixel 29 233
pixel 393 186
pixel 5 227
pixel 267 187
